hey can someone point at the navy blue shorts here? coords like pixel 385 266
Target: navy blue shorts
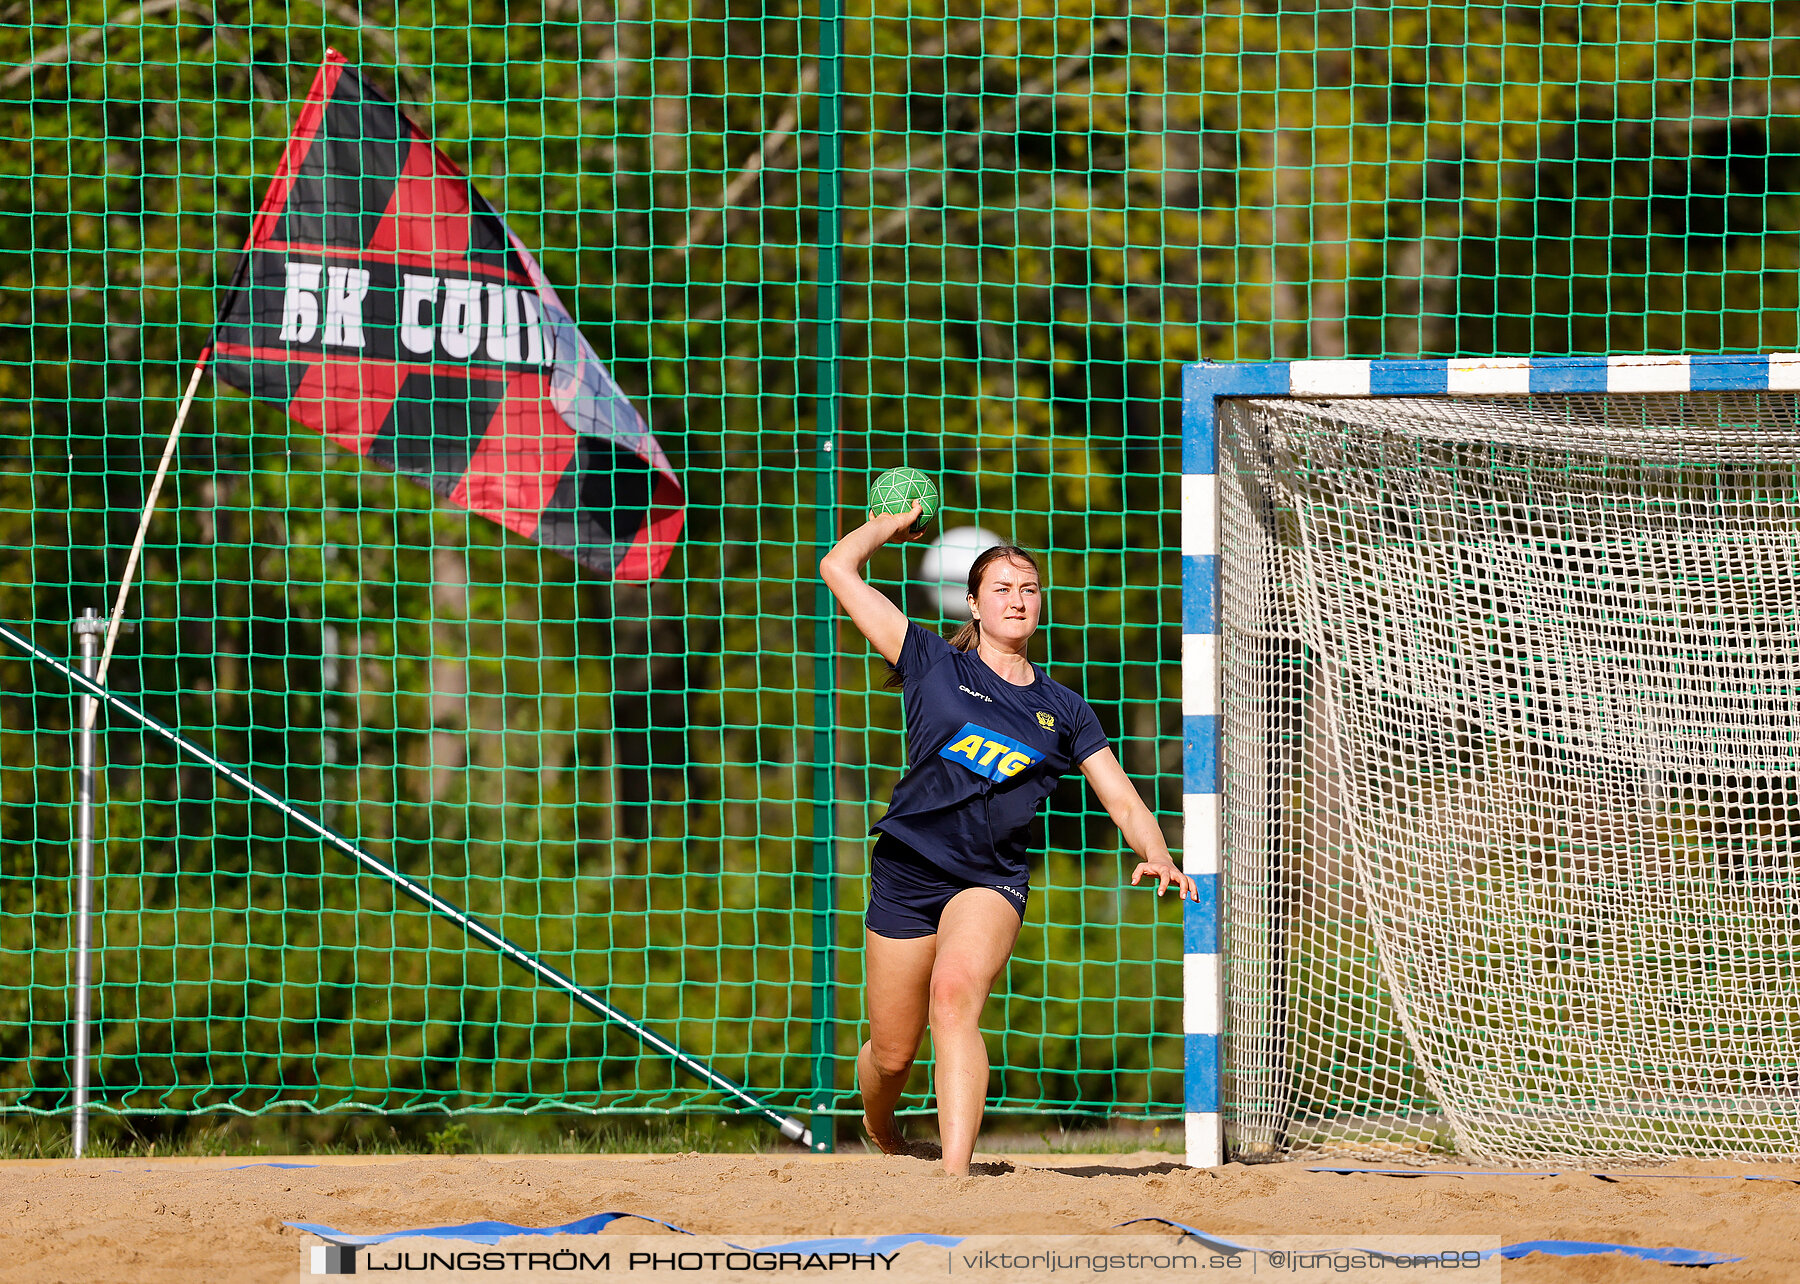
pixel 907 892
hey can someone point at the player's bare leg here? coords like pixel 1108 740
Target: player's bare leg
pixel 899 974
pixel 975 938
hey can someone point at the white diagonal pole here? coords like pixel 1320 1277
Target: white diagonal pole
pixel 137 545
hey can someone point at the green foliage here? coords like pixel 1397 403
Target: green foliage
pixel 1045 210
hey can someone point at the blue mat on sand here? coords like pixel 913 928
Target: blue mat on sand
pixel 871 1244
pixel 1579 1172
pixel 481 1232
pixel 494 1232
pixel 1553 1247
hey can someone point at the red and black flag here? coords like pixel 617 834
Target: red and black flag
pixel 383 303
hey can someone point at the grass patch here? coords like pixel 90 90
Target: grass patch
pixel 270 1136
pixel 120 1137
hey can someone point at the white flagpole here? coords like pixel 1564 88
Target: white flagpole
pixel 137 545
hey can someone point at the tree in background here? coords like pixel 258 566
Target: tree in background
pixel 1047 210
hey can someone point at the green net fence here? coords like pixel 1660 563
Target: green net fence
pixel 1026 218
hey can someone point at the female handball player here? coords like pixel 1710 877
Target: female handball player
pixel 988 735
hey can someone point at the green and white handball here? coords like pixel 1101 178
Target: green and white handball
pixel 898 489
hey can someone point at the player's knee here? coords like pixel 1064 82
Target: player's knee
pixel 955 996
pixel 890 1060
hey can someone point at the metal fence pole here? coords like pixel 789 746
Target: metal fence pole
pixel 88 629
pixel 826 351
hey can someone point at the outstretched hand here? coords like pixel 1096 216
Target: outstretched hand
pixel 1166 873
pixel 899 527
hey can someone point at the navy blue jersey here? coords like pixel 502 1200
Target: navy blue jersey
pixel 982 756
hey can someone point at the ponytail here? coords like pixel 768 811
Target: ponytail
pixel 968 637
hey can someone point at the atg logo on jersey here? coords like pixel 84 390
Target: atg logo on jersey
pixel 988 753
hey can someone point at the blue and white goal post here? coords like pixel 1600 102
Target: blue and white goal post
pixel 1204 385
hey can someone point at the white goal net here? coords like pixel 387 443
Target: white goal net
pixel 1510 764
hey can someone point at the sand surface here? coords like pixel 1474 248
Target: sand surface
pixel 194 1219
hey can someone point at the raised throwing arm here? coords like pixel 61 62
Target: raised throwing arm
pixel 883 623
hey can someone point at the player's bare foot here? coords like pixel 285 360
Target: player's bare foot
pixel 887 1139
pixel 889 1142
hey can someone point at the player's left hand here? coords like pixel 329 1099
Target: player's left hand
pixel 1166 874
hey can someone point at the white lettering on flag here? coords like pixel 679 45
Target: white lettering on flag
pixel 504 342
pixel 345 290
pixel 460 330
pixel 417 337
pixel 534 328
pixel 299 303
